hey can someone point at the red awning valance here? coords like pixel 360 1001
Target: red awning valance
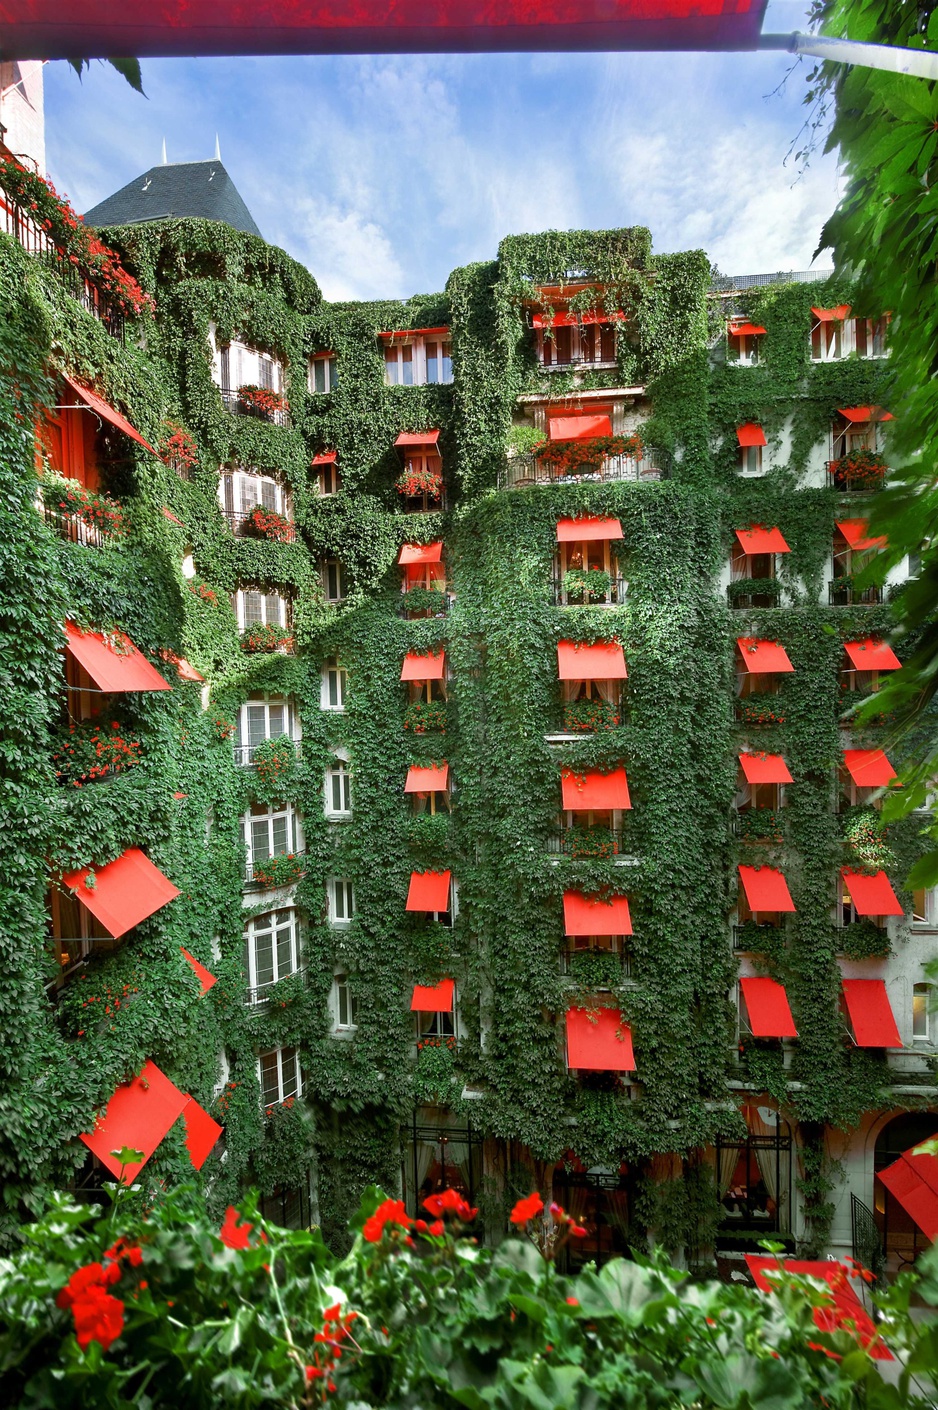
pixel 124 893
pixel 113 667
pixel 869 768
pixel 564 319
pixel 599 1041
pixel 856 532
pixel 202 1132
pixel 750 434
pixel 420 553
pixel 325 457
pixel 766 889
pixel 428 891
pixel 845 1307
pixel 872 654
pixel 588 530
pixel 184 671
pixel 758 539
pixel 768 1008
pixel 595 790
pixel 101 408
pixel 433 998
pixel 763 657
pixel 865 413
pixel 871 1015
pixel 205 978
pixel 595 915
pixel 578 428
pixel 417 438
pixel 871 895
pixel 602 661
pixel 745 330
pixel 831 315
pixel 427 778
pixel 765 768
pixel 138 1116
pixel 417 333
pixel 913 1181
pixel 428 666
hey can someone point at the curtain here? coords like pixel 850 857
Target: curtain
pixel 726 1165
pixel 767 1157
pixel 424 1156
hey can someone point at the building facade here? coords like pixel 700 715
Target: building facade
pixel 510 821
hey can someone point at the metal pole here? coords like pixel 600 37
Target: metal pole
pixel 919 63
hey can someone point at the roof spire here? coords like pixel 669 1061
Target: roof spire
pixel 164 152
pixel 217 149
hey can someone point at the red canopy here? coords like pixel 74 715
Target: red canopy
pixel 869 768
pixel 417 438
pixel 766 889
pixel 325 457
pixel 433 998
pixel 202 1131
pixel 116 667
pixel 427 778
pixel 569 320
pixel 599 1041
pixel 751 434
pixel 578 428
pixel 184 671
pixel 138 1116
pixel 92 399
pixel 745 330
pixel 429 666
pixel 588 530
pixel 124 892
pixel 428 891
pixel 594 915
pixel 865 413
pixel 846 1307
pixel 765 768
pixel 913 1181
pixel 872 654
pixel 205 977
pixel 871 895
pixel 441 332
pixel 856 532
pixel 420 553
pixel 595 790
pixel 767 1005
pixel 871 1015
pixel 763 657
pixel 603 661
pixel 831 315
pixel 758 539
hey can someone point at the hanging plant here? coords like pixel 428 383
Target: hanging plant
pixel 274 761
pixel 418 480
pixel 261 401
pixel 178 450
pixel 589 842
pixel 859 470
pixel 865 838
pixel 93 749
pixel 586 457
pixel 265 524
pixel 760 825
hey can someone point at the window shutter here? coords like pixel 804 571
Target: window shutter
pixel 227 483
pixel 226 368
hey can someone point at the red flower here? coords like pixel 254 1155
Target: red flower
pixel 232 1234
pixel 526 1209
pixel 436 1228
pixel 392 1211
pixel 98 1316
pixel 449 1202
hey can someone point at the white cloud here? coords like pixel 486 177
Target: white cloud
pixel 350 255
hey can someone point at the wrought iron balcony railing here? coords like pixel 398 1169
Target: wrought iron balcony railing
pixel 14 221
pixel 524 470
pixel 244 753
pixel 271 873
pixel 231 400
pixel 594 842
pixel 842 593
pixel 73 528
pixel 614 595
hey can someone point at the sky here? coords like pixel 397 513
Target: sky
pixel 382 174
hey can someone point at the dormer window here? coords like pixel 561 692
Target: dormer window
pixel 322 374
pixel 417 357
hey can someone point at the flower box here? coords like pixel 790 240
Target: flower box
pixel 269 638
pixel 416 481
pixel 92 750
pixel 261 401
pixel 590 715
pixel 424 716
pixel 278 871
pixel 264 523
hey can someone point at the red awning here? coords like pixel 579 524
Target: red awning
pixel 202 1132
pixel 420 553
pixel 871 1015
pixel 205 978
pixel 766 889
pixel 594 915
pixel 603 661
pixel 767 1006
pixel 433 998
pixel 124 892
pixel 869 768
pixel 418 333
pixel 831 315
pixel 570 320
pixel 427 666
pixel 138 1116
pixel 417 438
pixel 763 657
pixel 856 532
pixel 112 668
pixel 765 768
pixel 101 408
pixel 872 654
pixel 750 434
pixel 865 413
pixel 429 778
pixel 913 1181
pixel 184 671
pixel 845 1307
pixel 871 895
pixel 595 790
pixel 325 457
pixel 578 428
pixel 758 539
pixel 745 330
pixel 588 530
pixel 599 1041
pixel 428 891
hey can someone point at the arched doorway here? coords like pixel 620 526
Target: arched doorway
pixel 902 1239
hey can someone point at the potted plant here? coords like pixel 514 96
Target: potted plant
pixel 264 523
pixel 274 761
pixel 261 401
pixel 415 481
pixel 278 871
pixel 586 584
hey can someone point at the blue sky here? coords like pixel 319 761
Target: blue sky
pixel 382 174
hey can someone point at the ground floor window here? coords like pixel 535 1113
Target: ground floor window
pixel 290 1208
pixel 598 1199
pixel 754 1176
pixel 440 1152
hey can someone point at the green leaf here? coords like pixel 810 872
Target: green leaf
pixel 743 1381
pixel 129 69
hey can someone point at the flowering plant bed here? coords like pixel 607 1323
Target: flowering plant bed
pixel 590 715
pixel 589 842
pixel 416 481
pixel 422 716
pixel 96 510
pixel 261 401
pixel 274 761
pixel 756 710
pixel 93 749
pixel 859 470
pixel 278 871
pixel 760 825
pixel 586 584
pixel 203 591
pixel 585 457
pixel 269 638
pixel 178 451
pixel 265 524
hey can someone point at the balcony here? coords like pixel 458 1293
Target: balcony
pixel 593 842
pixel 274 527
pixel 763 825
pixel 754 592
pixel 244 753
pixel 760 710
pixel 524 470
pixel 597 968
pixel 35 241
pixel 858 472
pixel 593 588
pixel 272 873
pixel 421 602
pixel 841 592
pixel 754 939
pixel 233 403
pixel 73 529
pixel 263 993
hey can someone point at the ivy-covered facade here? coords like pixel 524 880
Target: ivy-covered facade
pixel 447 594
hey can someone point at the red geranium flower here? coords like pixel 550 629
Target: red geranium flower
pixel 449 1202
pixel 233 1234
pixel 527 1209
pixel 392 1211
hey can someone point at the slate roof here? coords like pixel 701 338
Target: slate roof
pixel 176 189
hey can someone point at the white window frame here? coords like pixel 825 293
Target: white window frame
pixel 289 1076
pixel 337 687
pixel 586 549
pixel 923 921
pixel 245 365
pixel 344 1003
pixel 751 460
pixel 329 479
pixel 242 746
pixel 333 580
pixel 241 491
pixel 330 375
pixel 395 361
pixel 272 813
pixel 274 608
pixel 828 345
pixel 922 995
pixel 254 931
pixel 339 773
pixel 433 1023
pixel 340 901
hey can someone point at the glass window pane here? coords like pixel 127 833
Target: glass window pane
pixel 391 367
pixel 268 494
pixel 272 606
pixel 253 608
pixel 263 958
pixel 333 681
pixel 446 374
pixel 257 725
pixel 248 493
pixel 289 1086
pixel 433 374
pixel 278 723
pixel 280 835
pixel 270 1085
pixel 260 839
pixel 319 374
pixel 407 366
pixel 920 1011
pixel 285 951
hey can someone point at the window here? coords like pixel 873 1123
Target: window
pixel 588 572
pixel 238 365
pixel 241 491
pixel 333 580
pixel 439 362
pixel 414 360
pixel 328 478
pixel 338 790
pixel 270 831
pixel 271 949
pixel 323 376
pixel 869 336
pixel 334 686
pixel 920 906
pixel 436 1025
pixel 569 344
pixel 827 339
pixel 344 1005
pixel 341 900
pixel 921 1012
pixel 754 1176
pixel 260 718
pixel 279 1074
pixel 751 460
pixel 255 608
